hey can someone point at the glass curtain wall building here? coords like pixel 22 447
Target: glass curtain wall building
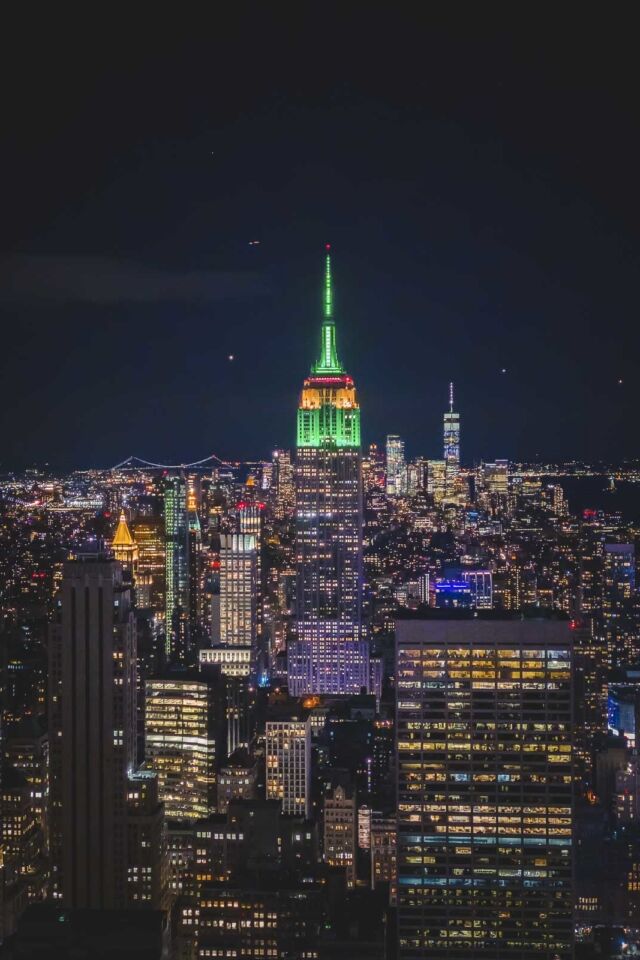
pixel 181 743
pixel 484 740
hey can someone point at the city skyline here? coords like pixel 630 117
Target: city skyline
pixel 319 486
pixel 478 220
pixel 230 360
pixel 427 445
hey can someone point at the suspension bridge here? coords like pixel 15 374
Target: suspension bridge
pixel 138 463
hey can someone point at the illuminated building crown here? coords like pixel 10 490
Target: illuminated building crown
pixel 123 545
pixel 122 536
pixel 328 362
pixel 328 413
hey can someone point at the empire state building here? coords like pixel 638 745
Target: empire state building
pixel 330 654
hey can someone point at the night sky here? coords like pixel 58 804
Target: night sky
pixel 476 173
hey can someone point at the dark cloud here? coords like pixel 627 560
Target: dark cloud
pixel 52 280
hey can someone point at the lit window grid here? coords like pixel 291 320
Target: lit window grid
pixel 456 853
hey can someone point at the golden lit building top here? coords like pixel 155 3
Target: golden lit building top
pixel 123 545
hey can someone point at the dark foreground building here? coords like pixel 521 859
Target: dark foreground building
pixel 484 744
pixel 47 931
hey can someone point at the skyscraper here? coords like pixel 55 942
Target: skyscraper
pixel 339 817
pixel 26 748
pixel 148 533
pixel 484 741
pixel 283 487
pixel 451 444
pixel 250 522
pixel 437 479
pixel 238 589
pixel 396 467
pixel 196 572
pixel 329 654
pixel 176 530
pixel 123 545
pixel 234 634
pixel 181 734
pixel 288 761
pixel 92 726
pixel 148 865
pixel 619 586
pixel 494 478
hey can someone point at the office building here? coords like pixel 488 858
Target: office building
pixel 590 695
pixel 437 480
pixel 181 742
pixel 26 748
pixel 148 534
pixel 383 853
pixel 455 594
pixel 451 446
pixel 288 763
pixel 374 478
pixel 339 816
pixel 195 570
pixel 283 485
pixel 251 523
pixel 238 590
pixel 253 836
pixel 236 665
pixel 618 598
pixel 147 859
pixel 252 920
pixel 329 654
pixel 494 478
pixel 484 741
pixel 481 585
pixel 92 729
pixel 396 467
pixel 236 649
pixel 23 869
pixel 237 780
pixel 176 531
pixel 233 661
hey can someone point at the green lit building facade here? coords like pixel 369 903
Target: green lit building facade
pixel 330 653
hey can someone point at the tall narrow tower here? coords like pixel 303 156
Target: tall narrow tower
pixel 330 654
pixel 194 560
pixel 176 529
pixel 451 443
pixel 92 724
pixel 107 839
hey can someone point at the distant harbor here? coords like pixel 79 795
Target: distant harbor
pixel 598 493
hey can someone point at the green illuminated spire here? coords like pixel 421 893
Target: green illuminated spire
pixel 328 364
pixel 328 291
